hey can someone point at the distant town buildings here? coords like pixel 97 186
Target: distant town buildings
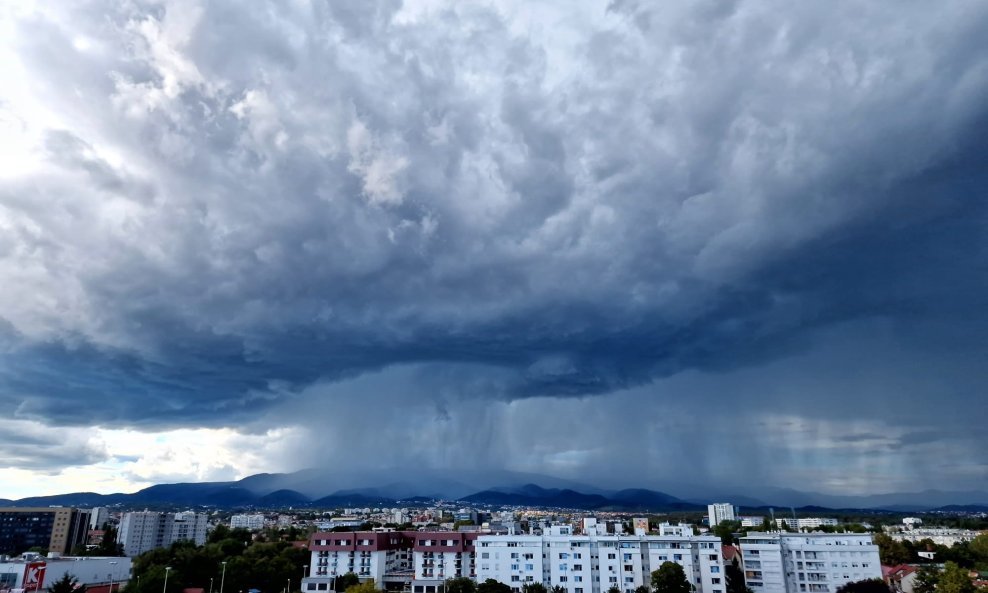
pixel 56 529
pixel 808 562
pixel 941 537
pixel 719 512
pixel 147 530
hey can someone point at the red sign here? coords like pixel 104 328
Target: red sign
pixel 34 576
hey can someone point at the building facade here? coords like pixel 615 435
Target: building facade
pixel 37 573
pixel 56 529
pixel 146 530
pixel 590 562
pixel 595 561
pixel 251 522
pixel 808 562
pixel 806 522
pixel 719 512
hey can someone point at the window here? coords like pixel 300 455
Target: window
pixel 563 556
pixel 712 557
pixel 611 556
pixel 529 567
pixel 715 569
pixel 514 555
pixel 577 556
pixel 578 579
pixel 563 579
pixel 485 555
pixel 515 578
pixel 577 567
pixel 611 579
pixel 627 557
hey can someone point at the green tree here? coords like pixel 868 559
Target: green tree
pixel 865 586
pixel 492 586
pixel 557 589
pixel 926 579
pixel 670 578
pixel 892 552
pixel 67 584
pixel 954 579
pixel 735 579
pixel 108 546
pixel 365 587
pixel 643 589
pixel 345 581
pixel 614 589
pixel 979 549
pixel 460 585
pixel 534 588
pixel 726 530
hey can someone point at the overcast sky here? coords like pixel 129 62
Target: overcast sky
pixel 628 242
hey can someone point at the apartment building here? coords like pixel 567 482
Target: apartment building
pixel 808 562
pixel 807 522
pixel 595 560
pixel 56 529
pixel 143 531
pixel 251 522
pixel 719 512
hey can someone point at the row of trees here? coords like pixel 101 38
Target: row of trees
pixel 268 566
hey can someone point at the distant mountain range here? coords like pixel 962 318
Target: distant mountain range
pixel 321 489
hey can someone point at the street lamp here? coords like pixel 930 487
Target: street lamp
pixel 112 570
pixel 223 578
pixel 305 569
pixel 210 584
pixel 164 588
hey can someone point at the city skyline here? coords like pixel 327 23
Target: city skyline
pixel 617 243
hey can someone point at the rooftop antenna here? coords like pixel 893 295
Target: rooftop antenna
pixel 771 511
pixel 795 523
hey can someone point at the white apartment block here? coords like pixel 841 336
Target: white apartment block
pixel 808 522
pixel 751 520
pixel 941 537
pixel 719 512
pixel 189 526
pixel 595 561
pixel 143 531
pixel 808 562
pixel 98 517
pixel 251 522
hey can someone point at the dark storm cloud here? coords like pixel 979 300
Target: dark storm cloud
pixel 235 202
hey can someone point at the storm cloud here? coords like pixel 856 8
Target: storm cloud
pixel 218 214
